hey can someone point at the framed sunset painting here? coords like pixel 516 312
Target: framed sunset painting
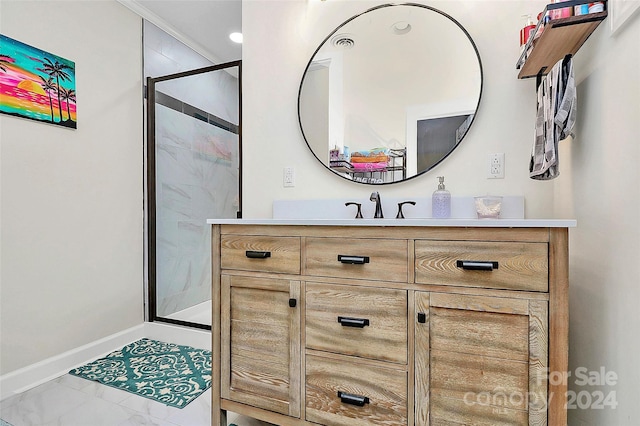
pixel 37 85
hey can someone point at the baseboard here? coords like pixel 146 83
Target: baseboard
pixel 48 369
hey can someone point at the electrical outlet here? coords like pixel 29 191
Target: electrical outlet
pixel 496 166
pixel 288 177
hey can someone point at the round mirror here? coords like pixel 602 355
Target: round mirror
pixel 390 93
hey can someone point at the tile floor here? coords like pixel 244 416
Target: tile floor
pixel 73 401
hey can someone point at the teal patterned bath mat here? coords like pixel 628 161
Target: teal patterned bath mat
pixel 172 374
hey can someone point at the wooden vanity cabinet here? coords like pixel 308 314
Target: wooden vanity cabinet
pixel 398 325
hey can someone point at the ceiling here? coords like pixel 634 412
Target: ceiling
pixel 203 25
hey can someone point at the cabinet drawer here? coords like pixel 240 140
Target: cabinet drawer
pixel 341 392
pixel 361 321
pixel 260 253
pixel 373 259
pixel 503 265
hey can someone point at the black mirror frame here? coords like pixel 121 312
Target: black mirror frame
pixel 473 44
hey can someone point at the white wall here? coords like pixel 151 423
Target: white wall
pixel 72 218
pixel 599 178
pixel 599 186
pixel 275 56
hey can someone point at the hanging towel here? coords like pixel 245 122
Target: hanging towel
pixel 565 117
pixel 555 119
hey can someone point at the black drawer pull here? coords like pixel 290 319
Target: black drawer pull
pixel 293 303
pixel 422 317
pixel 353 260
pixel 474 265
pixel 353 322
pixel 347 398
pixel 252 254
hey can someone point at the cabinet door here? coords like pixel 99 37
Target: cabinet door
pixel 480 360
pixel 260 343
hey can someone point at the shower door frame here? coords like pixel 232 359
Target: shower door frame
pixel 151 182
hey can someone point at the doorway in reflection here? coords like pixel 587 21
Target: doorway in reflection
pixel 438 135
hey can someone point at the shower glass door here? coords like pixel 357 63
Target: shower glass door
pixel 193 174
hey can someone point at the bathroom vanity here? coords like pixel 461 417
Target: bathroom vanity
pixel 394 322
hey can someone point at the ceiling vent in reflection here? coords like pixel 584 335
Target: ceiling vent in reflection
pixel 345 41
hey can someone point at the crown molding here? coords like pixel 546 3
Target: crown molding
pixel 169 29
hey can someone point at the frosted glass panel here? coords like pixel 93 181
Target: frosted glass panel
pixel 196 178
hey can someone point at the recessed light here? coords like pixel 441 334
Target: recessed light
pixel 236 37
pixel 401 27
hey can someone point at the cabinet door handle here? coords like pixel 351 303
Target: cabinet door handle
pixel 353 322
pixel 348 398
pixel 353 260
pixel 253 254
pixel 475 265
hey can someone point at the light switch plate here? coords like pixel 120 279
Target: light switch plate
pixel 288 177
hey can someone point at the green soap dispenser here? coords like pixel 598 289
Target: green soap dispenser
pixel 441 201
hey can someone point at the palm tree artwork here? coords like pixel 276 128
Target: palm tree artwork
pixel 36 84
pixel 4 59
pixel 68 95
pixel 57 70
pixel 48 87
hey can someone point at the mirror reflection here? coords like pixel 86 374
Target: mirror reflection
pixel 390 93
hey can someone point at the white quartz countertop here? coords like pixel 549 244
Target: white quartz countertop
pixel 478 223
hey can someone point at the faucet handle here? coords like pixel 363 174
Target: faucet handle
pixel 400 215
pixel 359 213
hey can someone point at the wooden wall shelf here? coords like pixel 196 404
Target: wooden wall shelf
pixel 560 37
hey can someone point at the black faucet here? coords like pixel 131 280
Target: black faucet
pixel 359 213
pixel 400 215
pixel 375 196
